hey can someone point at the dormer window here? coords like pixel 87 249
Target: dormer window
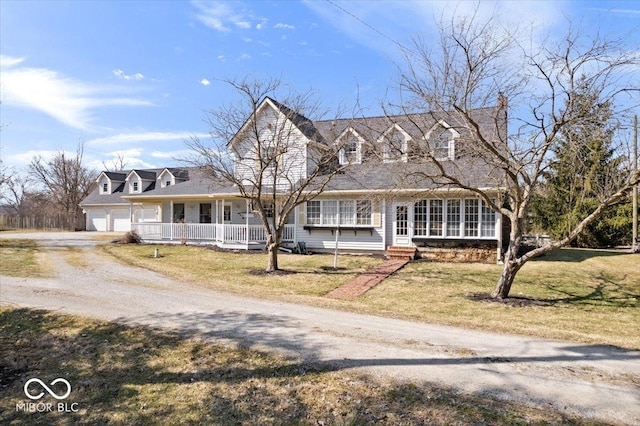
pixel 135 186
pixel 351 151
pixel 395 146
pixel 442 142
pixel 167 183
pixel 105 188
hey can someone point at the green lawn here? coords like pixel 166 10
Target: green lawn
pixel 580 295
pixel 142 376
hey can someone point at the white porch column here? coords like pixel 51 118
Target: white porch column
pixel 171 222
pixel 246 220
pixel 224 237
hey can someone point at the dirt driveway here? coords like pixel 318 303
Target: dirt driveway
pixel 593 381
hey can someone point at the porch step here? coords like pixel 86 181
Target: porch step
pixel 400 252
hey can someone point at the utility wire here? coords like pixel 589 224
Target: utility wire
pixel 371 27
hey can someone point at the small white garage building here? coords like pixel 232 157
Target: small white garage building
pixel 106 210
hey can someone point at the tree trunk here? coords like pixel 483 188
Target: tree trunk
pixel 505 281
pixel 272 254
pixel 511 262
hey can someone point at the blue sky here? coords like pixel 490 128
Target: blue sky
pixel 135 78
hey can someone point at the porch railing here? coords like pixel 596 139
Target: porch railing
pixel 226 233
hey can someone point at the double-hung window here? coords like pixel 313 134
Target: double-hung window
pixel 453 218
pixel 435 218
pixel 339 212
pixel 363 212
pixel 487 221
pixel 471 210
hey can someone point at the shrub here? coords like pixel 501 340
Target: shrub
pixel 131 237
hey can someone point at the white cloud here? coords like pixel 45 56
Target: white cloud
pixel 132 158
pixel 382 25
pixel 171 155
pixel 205 82
pixel 244 57
pixel 129 138
pixel 281 26
pixel 22 159
pixel 67 100
pixel 8 61
pixel 260 25
pixel 221 58
pixel 121 75
pixel 220 16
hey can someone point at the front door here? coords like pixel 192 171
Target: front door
pixel 402 224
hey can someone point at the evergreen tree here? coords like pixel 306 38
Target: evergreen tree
pixel 585 167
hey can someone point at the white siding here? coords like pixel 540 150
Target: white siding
pixel 145 214
pixel 292 143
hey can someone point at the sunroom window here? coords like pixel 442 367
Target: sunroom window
pixel 454 218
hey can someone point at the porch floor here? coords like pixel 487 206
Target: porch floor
pixel 365 282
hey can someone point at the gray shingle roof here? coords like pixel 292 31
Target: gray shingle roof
pixel 146 174
pixel 371 175
pixel 117 176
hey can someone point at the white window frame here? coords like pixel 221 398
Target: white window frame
pixel 353 137
pixel 482 229
pixel 439 129
pixel 333 211
pixel 387 141
pixel 104 189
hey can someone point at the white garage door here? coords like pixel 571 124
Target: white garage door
pixel 96 220
pixel 120 221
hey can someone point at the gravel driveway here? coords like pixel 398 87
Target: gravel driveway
pixel 590 380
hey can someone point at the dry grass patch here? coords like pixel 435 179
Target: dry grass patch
pixel 242 272
pixel 22 258
pixel 142 376
pixel 580 295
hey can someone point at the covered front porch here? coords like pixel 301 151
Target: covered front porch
pixel 231 236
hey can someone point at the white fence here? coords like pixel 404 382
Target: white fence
pixel 207 232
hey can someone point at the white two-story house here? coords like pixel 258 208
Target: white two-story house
pixel 383 198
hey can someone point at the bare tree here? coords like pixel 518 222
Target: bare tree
pixel 117 164
pixel 476 63
pixel 66 182
pixel 270 152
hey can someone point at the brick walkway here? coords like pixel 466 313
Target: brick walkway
pixel 364 282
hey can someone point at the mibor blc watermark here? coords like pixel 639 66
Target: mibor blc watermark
pixel 59 389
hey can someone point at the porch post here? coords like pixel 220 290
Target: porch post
pixel 224 237
pixel 171 223
pixel 499 235
pixel 246 219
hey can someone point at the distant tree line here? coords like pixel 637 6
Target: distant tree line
pixel 48 195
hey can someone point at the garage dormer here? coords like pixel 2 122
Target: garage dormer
pixel 139 181
pixel 171 176
pixel 109 182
